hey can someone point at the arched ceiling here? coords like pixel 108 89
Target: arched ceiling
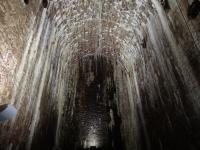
pixel 111 27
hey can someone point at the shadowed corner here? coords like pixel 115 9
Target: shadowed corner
pixel 7 112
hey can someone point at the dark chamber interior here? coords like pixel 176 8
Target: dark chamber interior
pixel 97 124
pixel 94 103
pixel 100 74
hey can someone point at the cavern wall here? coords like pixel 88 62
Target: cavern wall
pixel 15 19
pixel 119 74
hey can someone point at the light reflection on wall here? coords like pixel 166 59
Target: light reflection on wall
pixel 92 139
pixel 7 68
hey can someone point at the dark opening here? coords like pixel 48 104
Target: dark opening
pixel 94 101
pixel 26 2
pixel 193 9
pixel 144 43
pixel 93 147
pixel 165 4
pixel 45 3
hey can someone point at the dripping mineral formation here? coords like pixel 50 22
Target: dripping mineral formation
pixel 100 74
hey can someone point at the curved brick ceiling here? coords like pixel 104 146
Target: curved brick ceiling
pixel 139 57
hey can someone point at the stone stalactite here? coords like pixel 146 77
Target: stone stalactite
pixel 123 75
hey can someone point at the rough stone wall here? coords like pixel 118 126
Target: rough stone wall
pixel 15 18
pixel 165 79
pixel 156 72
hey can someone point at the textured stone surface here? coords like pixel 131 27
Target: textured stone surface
pixel 137 63
pixel 15 17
